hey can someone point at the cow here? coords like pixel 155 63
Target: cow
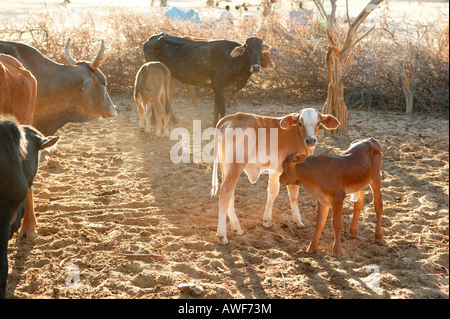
pixel 17 98
pixel 152 89
pixel 225 66
pixel 330 178
pixel 266 62
pixel 295 132
pixel 65 93
pixel 19 150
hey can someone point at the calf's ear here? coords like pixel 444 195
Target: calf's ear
pixel 298 158
pixel 329 121
pixel 238 51
pixel 289 121
pixel 47 142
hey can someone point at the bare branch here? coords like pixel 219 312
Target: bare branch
pixel 357 22
pixel 356 41
pixel 322 11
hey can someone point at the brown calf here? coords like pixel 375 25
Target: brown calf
pixel 152 89
pixel 18 89
pixel 330 178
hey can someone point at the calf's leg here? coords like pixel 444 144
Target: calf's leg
pixel 337 226
pixel 141 110
pixel 234 222
pixel 378 206
pixel 322 214
pixel 293 196
pixel 357 206
pixel 229 182
pixel 272 192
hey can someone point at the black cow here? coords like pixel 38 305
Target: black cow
pixel 19 150
pixel 222 65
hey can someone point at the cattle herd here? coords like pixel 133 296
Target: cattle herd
pixel 38 96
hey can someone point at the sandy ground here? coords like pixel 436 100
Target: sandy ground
pixel 108 188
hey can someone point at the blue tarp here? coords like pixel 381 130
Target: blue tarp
pixel 302 17
pixel 177 14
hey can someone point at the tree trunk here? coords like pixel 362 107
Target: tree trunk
pixel 337 68
pixel 339 59
pixel 409 85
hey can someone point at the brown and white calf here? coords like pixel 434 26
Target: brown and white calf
pixel 152 89
pixel 330 178
pixel 296 132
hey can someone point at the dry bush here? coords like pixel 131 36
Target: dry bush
pixel 298 53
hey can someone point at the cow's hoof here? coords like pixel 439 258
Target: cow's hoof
pixel 239 232
pixel 28 234
pixel 222 240
pixel 299 224
pixel 311 250
pixel 267 223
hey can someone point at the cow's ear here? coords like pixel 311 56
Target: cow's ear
pixel 238 51
pixel 266 61
pixel 329 121
pixel 266 48
pixel 47 142
pixel 289 121
pixel 298 158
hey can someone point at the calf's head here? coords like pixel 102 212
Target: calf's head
pixel 253 50
pixel 289 175
pixel 308 122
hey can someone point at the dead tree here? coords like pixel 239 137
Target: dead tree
pixel 339 58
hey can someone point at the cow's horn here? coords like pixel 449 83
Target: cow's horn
pixel 67 51
pixel 94 64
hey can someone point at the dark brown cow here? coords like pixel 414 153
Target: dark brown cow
pixel 19 149
pixel 222 65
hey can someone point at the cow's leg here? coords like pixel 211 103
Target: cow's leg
pixel 141 110
pixel 272 192
pixel 225 195
pixel 28 228
pixel 293 196
pixel 322 214
pixel 234 222
pixel 337 226
pixel 4 237
pixel 166 115
pixel 191 91
pixel 219 104
pixel 357 206
pixel 378 206
pixel 158 109
pixel 148 115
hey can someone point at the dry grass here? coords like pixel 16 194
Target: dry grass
pixel 298 53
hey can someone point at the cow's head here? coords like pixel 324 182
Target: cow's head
pixel 253 49
pixel 31 142
pixel 92 97
pixel 309 121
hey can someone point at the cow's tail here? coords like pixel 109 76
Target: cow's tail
pixel 215 179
